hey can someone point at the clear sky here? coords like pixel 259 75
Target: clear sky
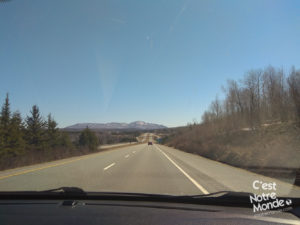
pixel 121 61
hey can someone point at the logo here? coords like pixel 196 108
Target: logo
pixel 267 200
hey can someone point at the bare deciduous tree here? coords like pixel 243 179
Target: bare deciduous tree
pixel 294 86
pixel 263 96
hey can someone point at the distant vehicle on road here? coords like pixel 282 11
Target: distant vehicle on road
pixel 149 142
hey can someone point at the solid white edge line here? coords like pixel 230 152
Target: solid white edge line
pixel 109 166
pixel 200 187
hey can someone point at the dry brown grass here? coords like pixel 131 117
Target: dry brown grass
pixel 276 146
pixel 31 157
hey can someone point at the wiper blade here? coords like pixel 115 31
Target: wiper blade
pixel 61 192
pixel 65 190
pixel 226 198
pixel 222 194
pixel 230 198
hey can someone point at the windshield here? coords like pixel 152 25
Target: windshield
pixel 159 97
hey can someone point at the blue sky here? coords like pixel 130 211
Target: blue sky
pixel 121 61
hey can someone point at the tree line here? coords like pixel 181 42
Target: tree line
pixel 262 97
pixel 34 133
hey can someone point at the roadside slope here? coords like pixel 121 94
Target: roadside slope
pixel 271 150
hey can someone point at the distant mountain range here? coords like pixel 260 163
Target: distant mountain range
pixel 137 125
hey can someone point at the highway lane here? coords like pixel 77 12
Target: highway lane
pixel 139 168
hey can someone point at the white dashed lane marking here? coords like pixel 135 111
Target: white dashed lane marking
pixel 109 166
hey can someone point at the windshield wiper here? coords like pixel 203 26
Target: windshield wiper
pixel 59 193
pixel 222 194
pixel 65 190
pixel 225 198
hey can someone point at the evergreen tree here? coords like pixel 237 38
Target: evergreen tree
pixel 64 140
pixel 88 138
pixel 52 132
pixel 16 131
pixel 4 123
pixel 35 128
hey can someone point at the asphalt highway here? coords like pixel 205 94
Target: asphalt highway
pixel 140 168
